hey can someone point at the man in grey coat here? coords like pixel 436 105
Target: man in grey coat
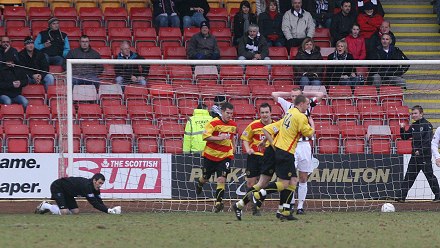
pixel 203 45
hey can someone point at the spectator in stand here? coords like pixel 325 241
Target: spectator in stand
pixel 369 21
pixel 12 80
pixel 376 4
pixel 7 50
pixel 308 74
pixel 270 25
pixel 321 11
pixel 344 74
pixel 215 110
pixel 192 12
pixel 35 64
pixel 242 20
pixel 165 13
pixel 254 46
pixel 130 73
pixel 342 22
pixel 297 25
pixel 203 45
pixel 356 43
pixel 85 74
pixel 261 6
pixel 386 74
pixel 375 40
pixel 193 138
pixel 53 42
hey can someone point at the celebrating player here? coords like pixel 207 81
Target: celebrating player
pixel 303 154
pixel 252 137
pixel 219 151
pixel 295 124
pixel 64 191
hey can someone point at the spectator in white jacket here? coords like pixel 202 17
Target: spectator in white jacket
pixel 297 25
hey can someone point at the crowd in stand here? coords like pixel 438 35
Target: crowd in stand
pixel 358 31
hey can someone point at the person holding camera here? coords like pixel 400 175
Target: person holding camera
pixel 309 74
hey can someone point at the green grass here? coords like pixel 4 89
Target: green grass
pixel 329 229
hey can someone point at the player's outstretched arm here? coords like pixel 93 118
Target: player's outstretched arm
pixel 318 95
pixel 281 94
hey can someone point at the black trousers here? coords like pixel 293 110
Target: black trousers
pixel 417 163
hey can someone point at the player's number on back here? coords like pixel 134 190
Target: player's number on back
pixel 286 122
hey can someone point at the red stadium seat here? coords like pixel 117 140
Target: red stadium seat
pixel 166 112
pixel 133 92
pixel 257 72
pixel 354 146
pixel 146 137
pixel 43 138
pixel 119 34
pixel 174 52
pixel 66 15
pixel 186 106
pixel 202 72
pixel 174 146
pixel 404 146
pixel 12 112
pixel 323 112
pixel 170 35
pixel 218 17
pixel 144 35
pixel 96 34
pixel 345 112
pixel 340 95
pixel 140 17
pixel 140 112
pixel 104 51
pixel 90 17
pixel 74 33
pixel 293 52
pixel 169 130
pixel 228 53
pixel 17 138
pixel 380 146
pixel 179 74
pixel 390 94
pixel 115 17
pixel 327 139
pixel 14 16
pixel 76 138
pixel 366 92
pixel 157 73
pixel 18 33
pixel 278 53
pixel 39 15
pixel 222 35
pixel 38 114
pixel 120 138
pixel 89 113
pixel 188 33
pixel 245 111
pixel 322 35
pixel 228 73
pixel 35 93
pixel 115 112
pixel 353 139
pixel 150 52
pixel 95 138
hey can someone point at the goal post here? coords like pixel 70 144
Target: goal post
pixel 360 158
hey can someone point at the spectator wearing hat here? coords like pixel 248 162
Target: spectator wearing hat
pixel 53 42
pixel 193 12
pixel 253 46
pixel 165 13
pixel 242 20
pixel 6 50
pixel 12 79
pixel 35 64
pixel 369 21
pixel 215 110
pixel 85 74
pixel 203 45
pixel 376 5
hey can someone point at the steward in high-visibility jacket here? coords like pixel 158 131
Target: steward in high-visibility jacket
pixel 193 140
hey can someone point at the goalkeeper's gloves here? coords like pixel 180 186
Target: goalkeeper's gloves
pixel 115 210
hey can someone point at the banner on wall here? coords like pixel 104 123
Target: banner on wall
pixel 27 175
pixel 128 176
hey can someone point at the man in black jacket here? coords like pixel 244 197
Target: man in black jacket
pixel 53 42
pixel 35 64
pixel 342 22
pixel 64 191
pixel 421 133
pixel 12 80
pixel 129 73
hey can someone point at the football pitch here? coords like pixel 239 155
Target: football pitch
pixel 203 229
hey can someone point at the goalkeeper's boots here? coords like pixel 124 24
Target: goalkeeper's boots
pixel 40 210
pixel 199 188
pixel 218 207
pixel 300 211
pixel 287 216
pixel 238 212
pixel 256 210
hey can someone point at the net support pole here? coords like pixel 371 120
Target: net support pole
pixel 69 119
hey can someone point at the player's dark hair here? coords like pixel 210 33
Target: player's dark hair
pixel 419 108
pixel 226 105
pixel 266 105
pixel 300 99
pixel 98 176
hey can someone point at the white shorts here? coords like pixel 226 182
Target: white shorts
pixel 303 157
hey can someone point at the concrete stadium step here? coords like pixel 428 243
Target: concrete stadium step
pixel 418 34
pixel 407 8
pixel 431 67
pixel 414 27
pixel 408 2
pixel 422 55
pixel 423 87
pixel 411 18
pixel 419 46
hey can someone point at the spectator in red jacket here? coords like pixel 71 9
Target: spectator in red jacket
pixel 369 21
pixel 376 4
pixel 356 43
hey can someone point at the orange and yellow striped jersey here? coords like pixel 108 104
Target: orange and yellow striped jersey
pixel 254 135
pixel 294 125
pixel 219 150
pixel 273 128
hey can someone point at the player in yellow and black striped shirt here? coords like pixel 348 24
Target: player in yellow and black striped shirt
pixel 219 151
pixel 295 125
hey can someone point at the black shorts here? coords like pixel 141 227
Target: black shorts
pixel 221 168
pixel 254 164
pixel 284 164
pixel 63 201
pixel 268 167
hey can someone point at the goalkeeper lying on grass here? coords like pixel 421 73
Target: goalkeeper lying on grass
pixel 64 191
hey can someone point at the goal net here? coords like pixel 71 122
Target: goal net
pixel 134 133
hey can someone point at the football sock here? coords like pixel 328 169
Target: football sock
pixel 54 209
pixel 219 193
pixel 302 193
pixel 245 199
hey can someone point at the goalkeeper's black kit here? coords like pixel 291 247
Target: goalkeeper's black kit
pixel 421 133
pixel 71 187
